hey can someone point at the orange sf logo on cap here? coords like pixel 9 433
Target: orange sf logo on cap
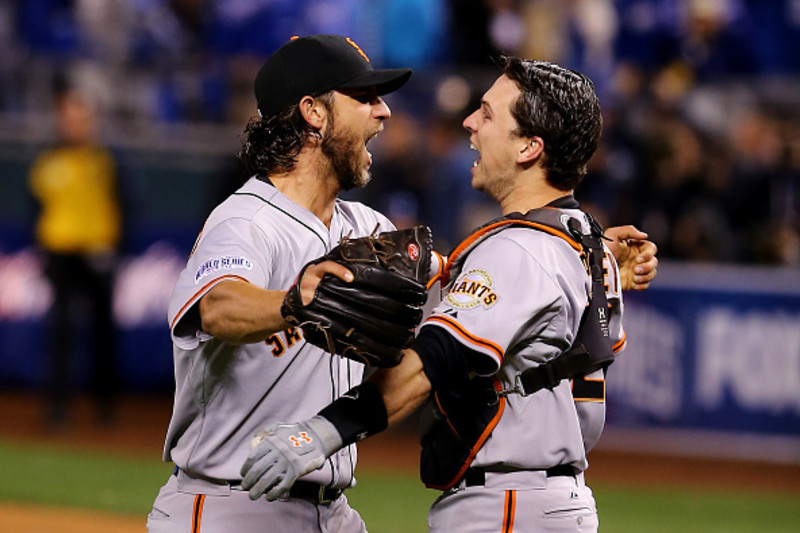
pixel 358 48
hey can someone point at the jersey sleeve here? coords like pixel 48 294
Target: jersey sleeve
pixel 502 295
pixel 232 250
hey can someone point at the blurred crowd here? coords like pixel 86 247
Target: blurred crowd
pixel 701 98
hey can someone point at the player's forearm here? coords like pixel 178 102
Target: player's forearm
pixel 403 388
pixel 387 397
pixel 238 313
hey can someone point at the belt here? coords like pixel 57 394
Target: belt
pixel 306 490
pixel 476 476
pixel 319 494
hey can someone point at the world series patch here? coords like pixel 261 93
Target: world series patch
pixel 227 262
pixel 472 289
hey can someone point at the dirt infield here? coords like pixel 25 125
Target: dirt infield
pixel 142 420
pixel 25 518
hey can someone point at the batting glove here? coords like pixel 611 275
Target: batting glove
pixel 281 453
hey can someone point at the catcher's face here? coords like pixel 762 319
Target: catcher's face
pixel 491 129
pixel 358 116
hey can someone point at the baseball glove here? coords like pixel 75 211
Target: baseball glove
pixel 372 318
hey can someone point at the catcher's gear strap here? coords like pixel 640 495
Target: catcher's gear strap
pixel 358 413
pixel 592 348
pixel 547 219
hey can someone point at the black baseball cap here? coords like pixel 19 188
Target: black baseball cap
pixel 316 64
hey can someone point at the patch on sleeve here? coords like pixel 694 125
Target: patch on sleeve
pixel 472 289
pixel 226 262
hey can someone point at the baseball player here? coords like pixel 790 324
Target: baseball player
pixel 238 364
pixel 531 315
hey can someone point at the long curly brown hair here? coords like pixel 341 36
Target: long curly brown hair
pixel 271 145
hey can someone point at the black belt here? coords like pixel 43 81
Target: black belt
pixel 319 494
pixel 476 476
pixel 306 490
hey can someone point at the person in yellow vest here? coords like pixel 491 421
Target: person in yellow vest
pixel 78 230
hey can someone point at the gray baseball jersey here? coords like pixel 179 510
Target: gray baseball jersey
pixel 225 393
pixel 518 301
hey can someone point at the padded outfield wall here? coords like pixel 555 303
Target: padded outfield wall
pixel 712 365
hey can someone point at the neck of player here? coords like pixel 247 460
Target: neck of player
pixel 530 190
pixel 311 185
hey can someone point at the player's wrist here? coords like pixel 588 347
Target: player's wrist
pixel 357 414
pixel 328 437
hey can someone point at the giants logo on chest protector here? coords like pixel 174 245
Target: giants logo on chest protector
pixel 472 289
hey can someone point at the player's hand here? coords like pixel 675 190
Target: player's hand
pixel 635 255
pixel 281 453
pixel 314 274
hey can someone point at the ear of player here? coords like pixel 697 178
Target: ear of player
pixel 372 318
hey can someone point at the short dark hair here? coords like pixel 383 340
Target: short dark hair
pixel 270 145
pixel 560 106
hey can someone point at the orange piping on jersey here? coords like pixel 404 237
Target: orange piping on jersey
pixel 439 404
pixel 620 344
pixel 192 300
pixel 197 513
pixel 459 329
pixel 444 412
pixel 196 242
pixel 440 272
pixel 501 405
pixel 478 234
pixel 509 509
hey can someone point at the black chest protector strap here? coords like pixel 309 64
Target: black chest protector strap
pixel 592 349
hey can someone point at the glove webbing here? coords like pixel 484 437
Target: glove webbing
pixel 384 258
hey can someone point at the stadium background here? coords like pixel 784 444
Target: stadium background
pixel 701 148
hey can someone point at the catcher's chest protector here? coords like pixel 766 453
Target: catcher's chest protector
pixel 463 415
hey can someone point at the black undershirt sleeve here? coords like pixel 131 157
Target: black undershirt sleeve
pixel 360 412
pixel 444 359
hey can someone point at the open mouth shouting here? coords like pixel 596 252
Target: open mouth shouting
pixel 477 161
pixel 369 140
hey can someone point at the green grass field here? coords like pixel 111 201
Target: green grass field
pixel 390 502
